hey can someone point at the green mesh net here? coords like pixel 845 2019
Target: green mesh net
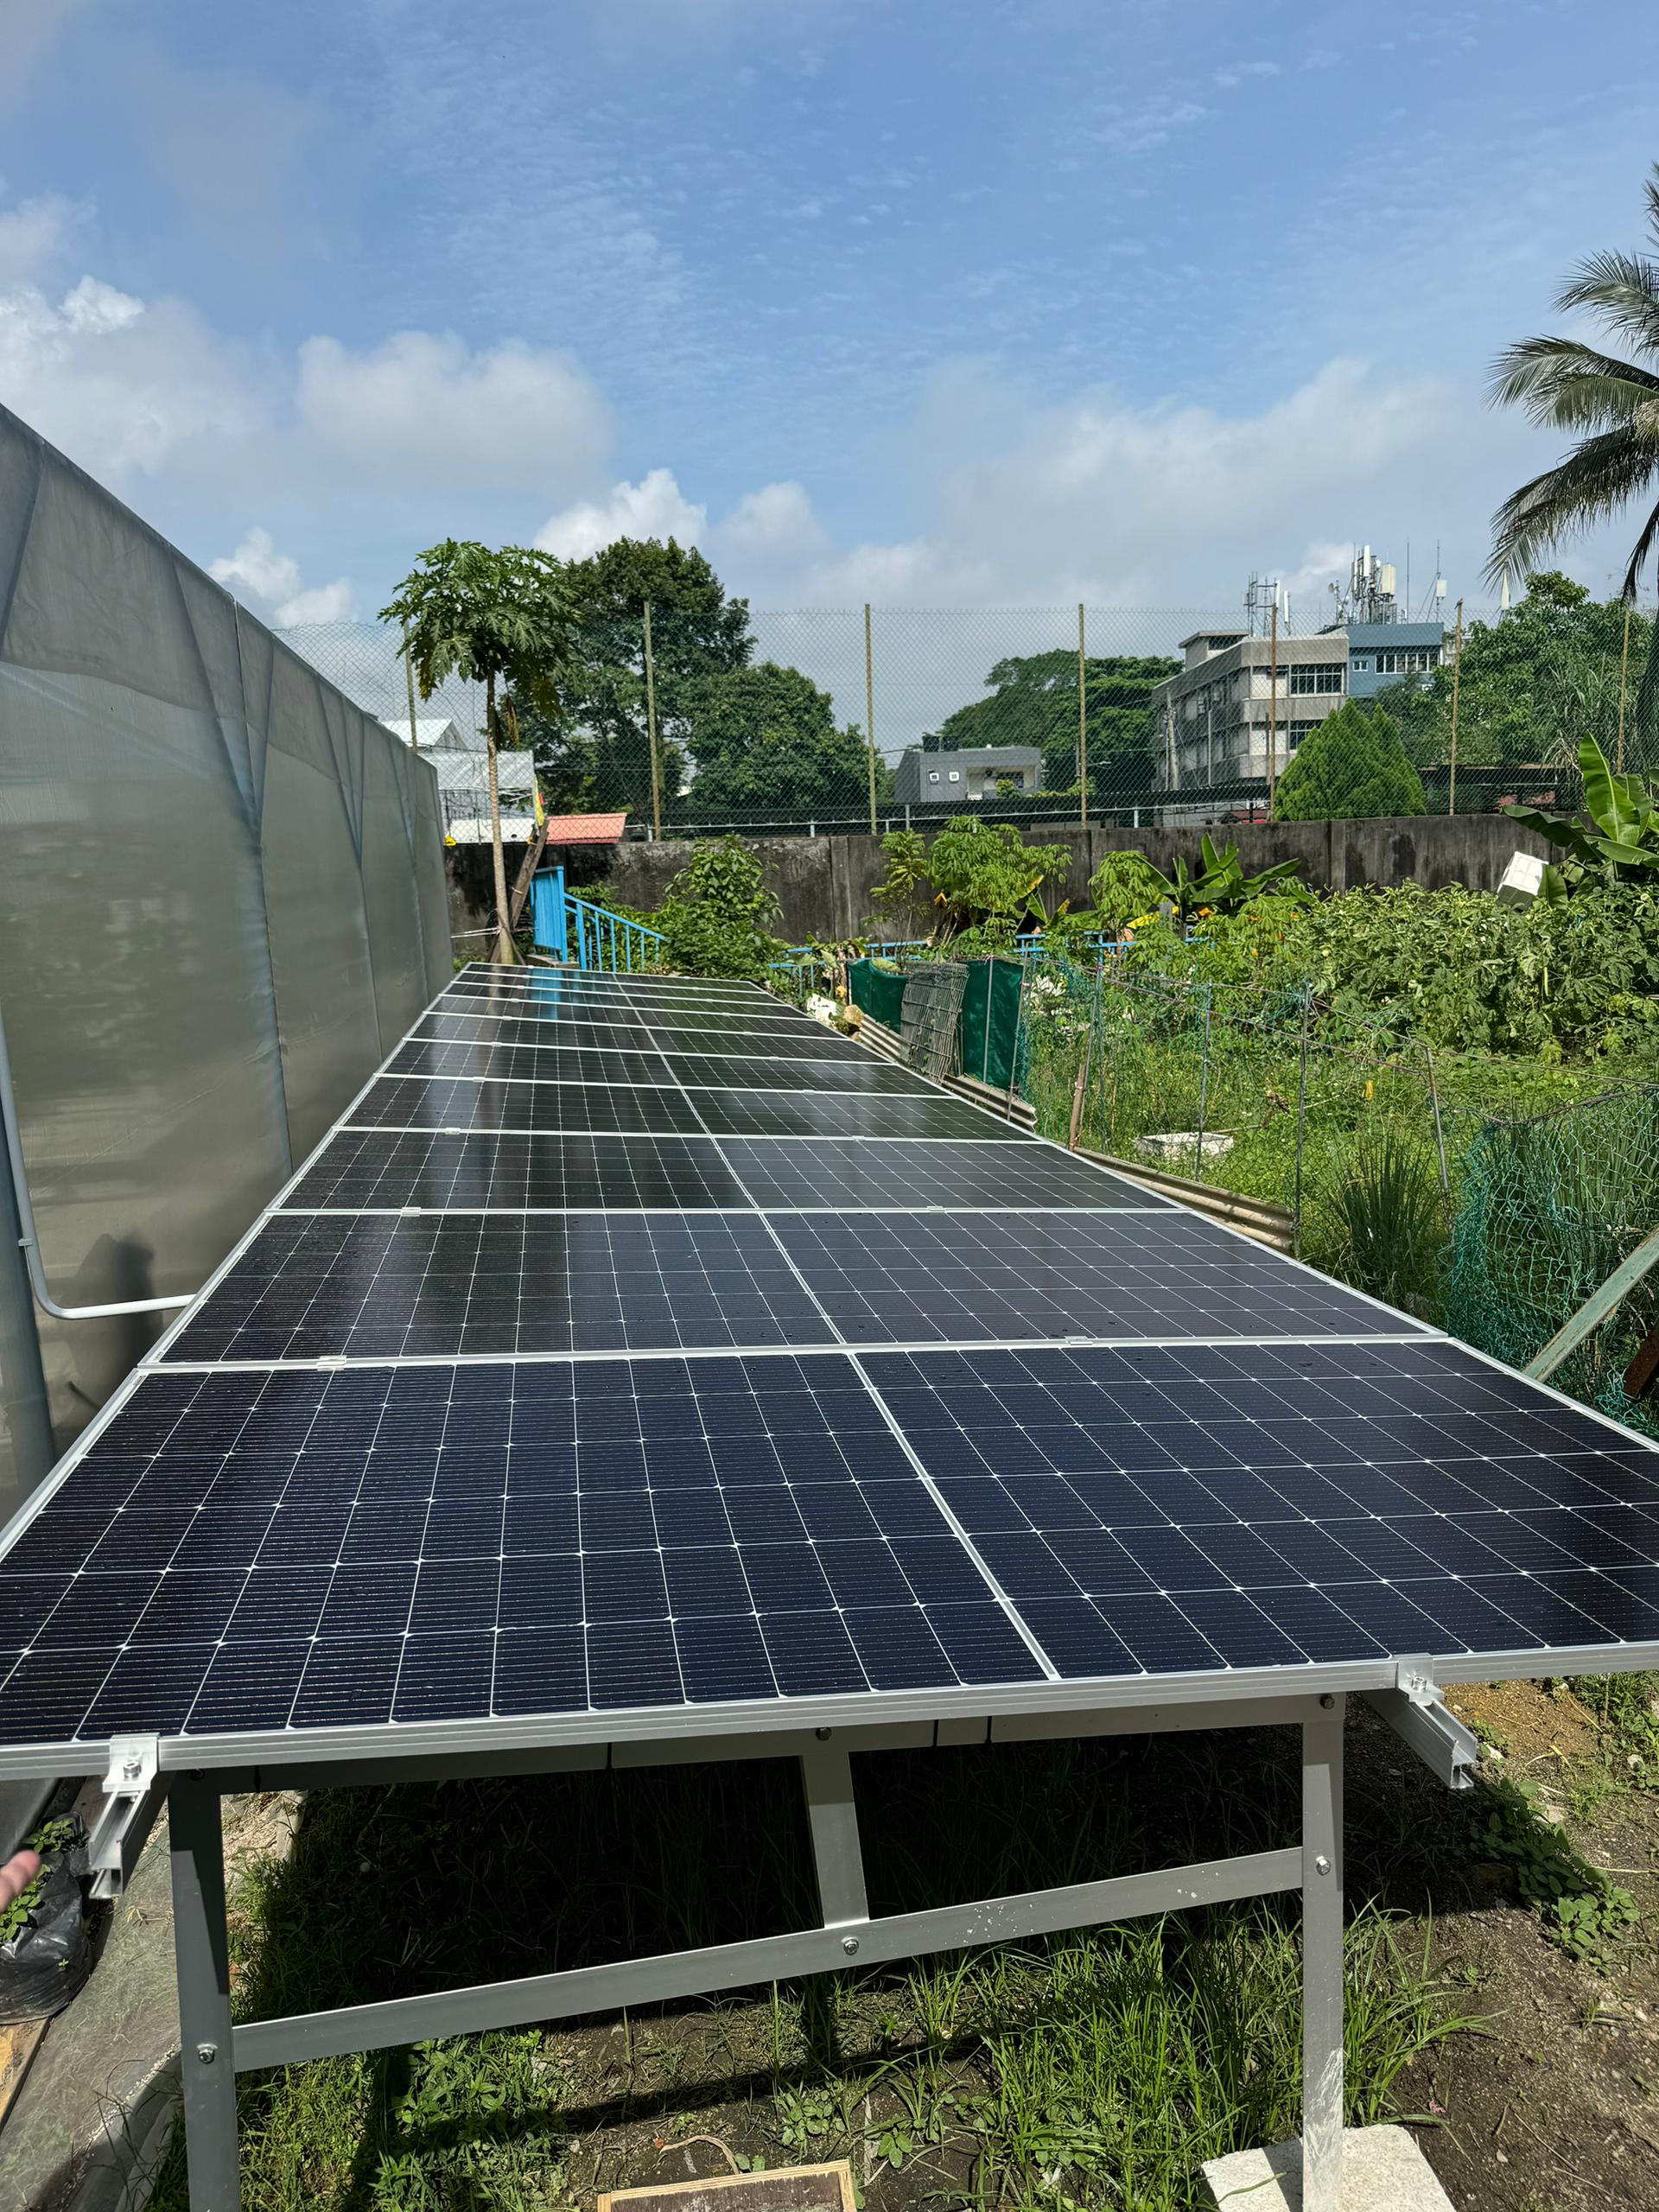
pixel 1550 1205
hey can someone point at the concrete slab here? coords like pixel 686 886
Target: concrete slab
pixel 1383 2170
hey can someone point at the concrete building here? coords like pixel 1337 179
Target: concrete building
pixel 1212 721
pixel 972 773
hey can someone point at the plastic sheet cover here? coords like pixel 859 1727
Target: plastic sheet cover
pixel 219 880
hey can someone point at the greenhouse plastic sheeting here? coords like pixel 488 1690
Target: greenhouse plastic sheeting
pixel 221 891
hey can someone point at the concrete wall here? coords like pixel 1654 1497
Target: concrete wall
pixel 824 884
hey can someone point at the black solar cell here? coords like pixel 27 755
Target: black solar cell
pixel 966 1277
pixel 379 1168
pixel 316 1285
pixel 472 1540
pixel 1194 1508
pixel 840 1171
pixel 409 1102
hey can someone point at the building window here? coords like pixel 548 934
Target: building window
pixel 955 776
pixel 1361 662
pixel 932 775
pixel 1316 676
pixel 1408 660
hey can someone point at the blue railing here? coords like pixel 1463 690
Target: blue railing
pixel 573 929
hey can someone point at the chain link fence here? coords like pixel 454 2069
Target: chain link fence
pixel 812 721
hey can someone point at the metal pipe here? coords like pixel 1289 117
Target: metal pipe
pixel 29 1240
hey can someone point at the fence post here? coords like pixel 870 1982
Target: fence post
pixel 651 734
pixel 1083 728
pixel 1301 1124
pixel 414 731
pixel 1019 1019
pixel 1624 662
pixel 1457 665
pixel 869 709
pixel 1272 714
pixel 1439 1135
pixel 1203 1082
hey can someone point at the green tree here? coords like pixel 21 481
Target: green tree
pixel 1610 406
pixel 598 754
pixel 1352 767
pixel 1033 700
pixel 494 618
pixel 765 741
pixel 1532 685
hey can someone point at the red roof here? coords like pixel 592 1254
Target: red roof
pixel 586 829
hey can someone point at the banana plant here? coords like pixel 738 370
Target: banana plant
pixel 1621 833
pixel 1222 885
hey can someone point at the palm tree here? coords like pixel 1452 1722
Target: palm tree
pixel 488 617
pixel 1611 405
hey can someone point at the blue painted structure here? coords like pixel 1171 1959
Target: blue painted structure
pixel 572 929
pixel 1373 646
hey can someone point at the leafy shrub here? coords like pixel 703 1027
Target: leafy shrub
pixel 1352 767
pixel 976 881
pixel 1391 1222
pixel 1468 975
pixel 712 918
pixel 1125 888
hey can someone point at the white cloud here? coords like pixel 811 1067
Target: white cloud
pixel 258 568
pixel 258 571
pixel 120 383
pixel 33 236
pixel 654 507
pixel 426 402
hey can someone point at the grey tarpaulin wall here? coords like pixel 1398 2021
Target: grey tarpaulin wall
pixel 221 900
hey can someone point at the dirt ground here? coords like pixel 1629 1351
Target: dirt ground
pixel 1552 2106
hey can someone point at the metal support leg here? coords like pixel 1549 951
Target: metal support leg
pixel 1322 1986
pixel 201 1952
pixel 827 1776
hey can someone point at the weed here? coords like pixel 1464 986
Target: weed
pixel 1581 1910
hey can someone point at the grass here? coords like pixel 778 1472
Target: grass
pixel 1099 2068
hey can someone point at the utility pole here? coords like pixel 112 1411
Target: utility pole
pixel 869 710
pixel 1083 726
pixel 650 735
pixel 1273 713
pixel 1457 666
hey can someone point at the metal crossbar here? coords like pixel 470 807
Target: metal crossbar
pixel 214 2051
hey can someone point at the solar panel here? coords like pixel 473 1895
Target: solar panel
pixel 411 1103
pixel 965 1277
pixel 908 1173
pixel 691 1071
pixel 527 1063
pixel 393 1545
pixel 375 1169
pixel 1183 1510
pixel 569 1415
pixel 378 1287
pixel 813 1113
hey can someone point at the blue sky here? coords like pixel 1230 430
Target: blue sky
pixel 998 303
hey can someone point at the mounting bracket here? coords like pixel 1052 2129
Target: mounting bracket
pixel 1418 1714
pixel 133 1790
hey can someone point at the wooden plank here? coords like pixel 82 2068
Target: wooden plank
pixel 782 2189
pixel 18 2048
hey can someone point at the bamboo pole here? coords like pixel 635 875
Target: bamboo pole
pixel 1457 668
pixel 1624 662
pixel 869 709
pixel 650 735
pixel 1083 726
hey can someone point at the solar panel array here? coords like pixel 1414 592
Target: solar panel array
pixel 637 1345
